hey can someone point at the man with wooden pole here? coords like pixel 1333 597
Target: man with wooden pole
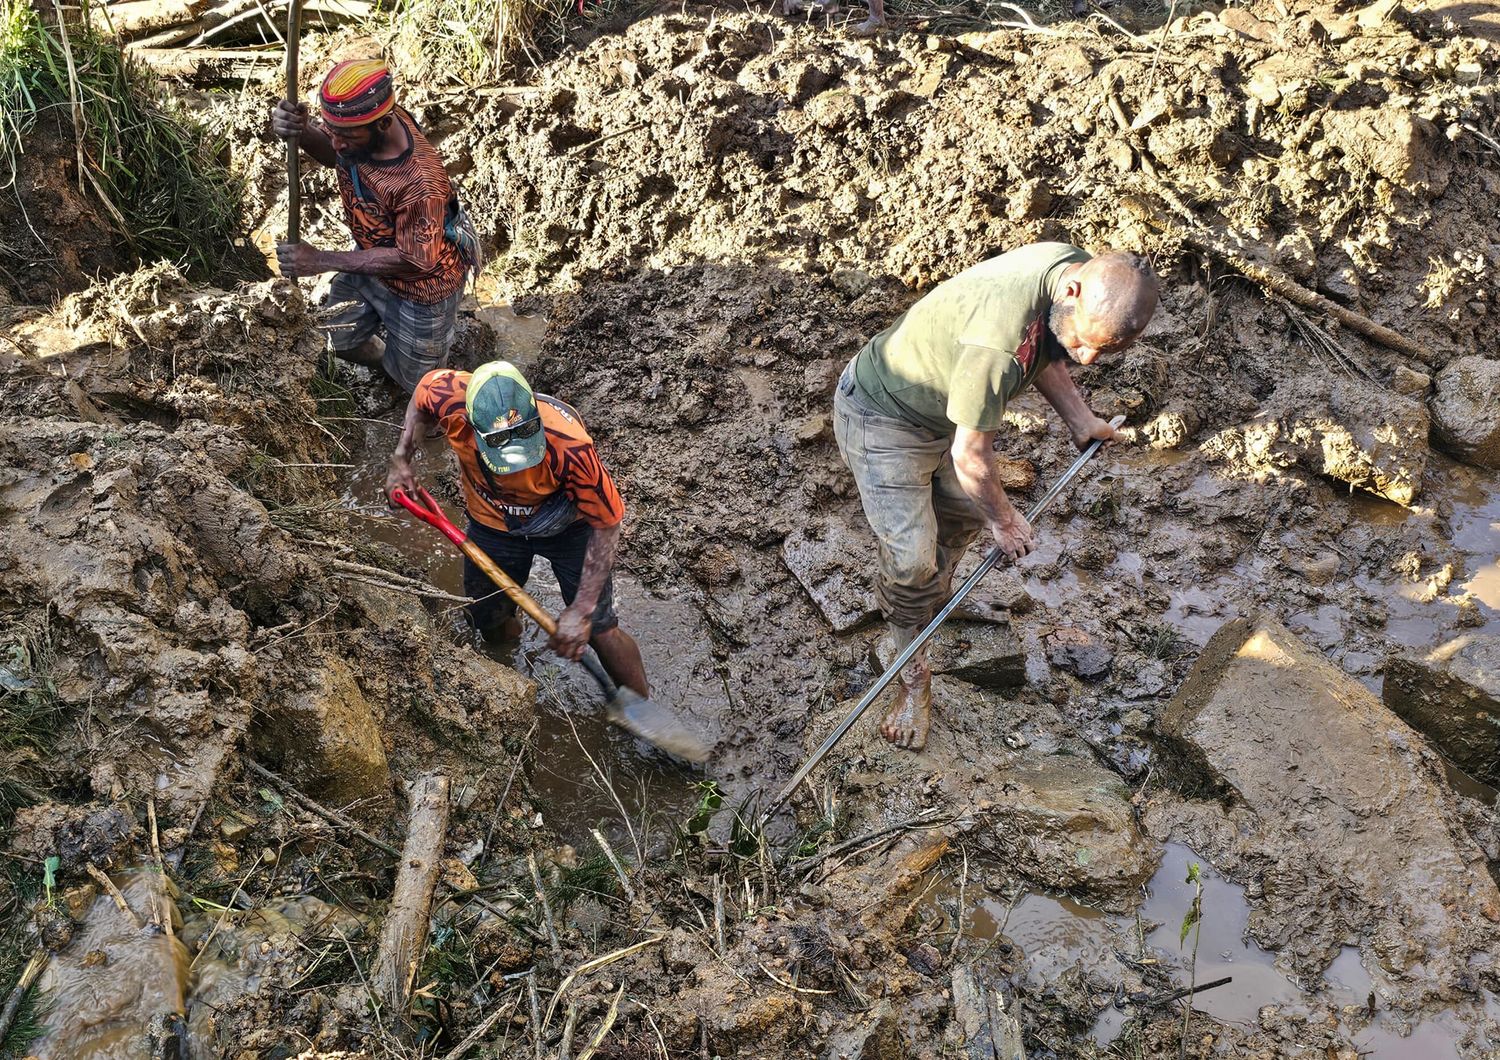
pixel 414 243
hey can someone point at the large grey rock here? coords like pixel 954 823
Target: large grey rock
pixel 1452 696
pixel 835 565
pixel 1465 408
pixel 1339 809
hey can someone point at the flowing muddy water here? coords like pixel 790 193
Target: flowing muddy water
pixel 121 976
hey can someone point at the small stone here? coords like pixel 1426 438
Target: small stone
pixel 1120 156
pixel 1410 382
pixel 235 828
pixel 821 376
pixel 814 428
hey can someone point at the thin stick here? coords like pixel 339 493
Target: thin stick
pixel 640 858
pixel 536 1013
pixel 514 768
pixel 163 914
pixel 594 965
pixel 958 915
pixel 228 908
pixel 604 1027
pixel 921 818
pixel 1167 999
pixel 570 1024
pixel 719 913
pixel 18 992
pixel 786 985
pixel 541 897
pixel 114 892
pixel 615 863
pixel 480 1031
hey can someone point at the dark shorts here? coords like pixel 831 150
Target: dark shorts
pixel 417 336
pixel 513 553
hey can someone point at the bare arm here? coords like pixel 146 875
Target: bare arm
pixel 299 259
pixel 400 474
pixel 974 462
pixel 576 625
pixel 1056 384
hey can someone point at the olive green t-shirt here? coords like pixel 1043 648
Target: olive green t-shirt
pixel 970 344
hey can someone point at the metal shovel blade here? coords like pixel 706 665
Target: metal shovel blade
pixel 656 725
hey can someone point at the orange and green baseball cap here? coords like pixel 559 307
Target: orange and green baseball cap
pixel 503 414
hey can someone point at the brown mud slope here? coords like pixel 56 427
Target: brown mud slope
pixel 154 437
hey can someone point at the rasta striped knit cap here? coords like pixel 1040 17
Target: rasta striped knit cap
pixel 357 92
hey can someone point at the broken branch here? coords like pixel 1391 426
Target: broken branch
pixel 403 937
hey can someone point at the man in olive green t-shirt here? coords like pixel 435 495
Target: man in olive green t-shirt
pixel 916 412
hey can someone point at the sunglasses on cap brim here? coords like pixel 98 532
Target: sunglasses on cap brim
pixel 501 435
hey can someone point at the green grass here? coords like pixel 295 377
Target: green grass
pixel 155 173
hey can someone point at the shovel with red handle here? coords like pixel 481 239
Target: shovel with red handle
pixel 626 708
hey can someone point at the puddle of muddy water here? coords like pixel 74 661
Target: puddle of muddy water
pixel 1055 933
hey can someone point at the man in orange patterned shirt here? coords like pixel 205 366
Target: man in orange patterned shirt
pixel 407 275
pixel 534 486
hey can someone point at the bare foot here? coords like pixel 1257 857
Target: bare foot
pixel 869 27
pixel 905 724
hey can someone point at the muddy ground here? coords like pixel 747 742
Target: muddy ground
pixel 699 219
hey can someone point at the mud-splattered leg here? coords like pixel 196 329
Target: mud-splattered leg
pixel 621 657
pixel 906 723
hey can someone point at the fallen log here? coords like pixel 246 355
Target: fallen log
pixel 204 65
pixel 181 33
pixel 403 937
pixel 134 19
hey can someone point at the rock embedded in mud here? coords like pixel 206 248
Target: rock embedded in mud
pixel 324 738
pixel 1079 652
pixel 1065 822
pixel 833 562
pixel 1465 408
pixel 1340 810
pixel 1396 144
pixel 1452 696
pixel 1353 431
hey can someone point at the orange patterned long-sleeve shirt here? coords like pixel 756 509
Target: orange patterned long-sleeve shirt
pixel 572 463
pixel 404 205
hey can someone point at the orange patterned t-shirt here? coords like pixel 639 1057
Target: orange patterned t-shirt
pixel 404 205
pixel 572 464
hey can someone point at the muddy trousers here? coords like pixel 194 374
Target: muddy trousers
pixel 920 514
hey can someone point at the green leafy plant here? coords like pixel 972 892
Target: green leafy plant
pixel 49 875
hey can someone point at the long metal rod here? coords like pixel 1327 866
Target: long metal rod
pixel 990 562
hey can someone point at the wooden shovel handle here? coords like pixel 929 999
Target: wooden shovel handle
pixel 522 598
